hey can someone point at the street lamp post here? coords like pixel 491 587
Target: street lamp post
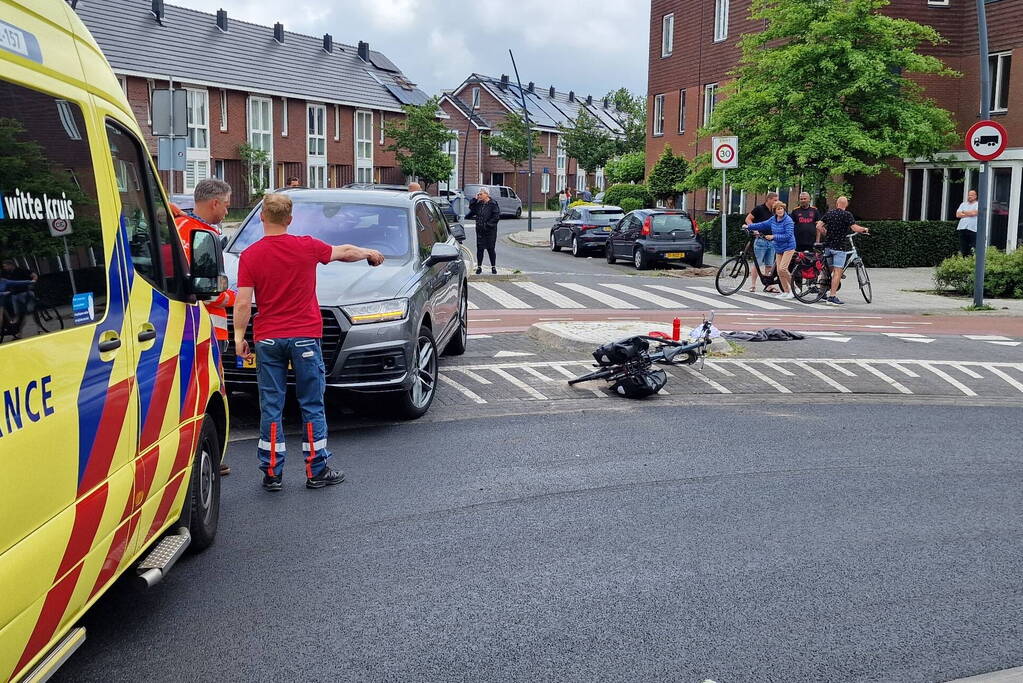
pixel 529 146
pixel 980 250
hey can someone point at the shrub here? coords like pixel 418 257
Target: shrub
pixel 617 193
pixel 630 204
pixel 1003 274
pixel 711 232
pixel 628 168
pixel 580 202
pixel 553 203
pixel 667 175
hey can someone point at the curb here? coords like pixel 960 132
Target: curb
pixel 522 241
pixel 549 335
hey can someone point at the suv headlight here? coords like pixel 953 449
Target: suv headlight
pixel 377 311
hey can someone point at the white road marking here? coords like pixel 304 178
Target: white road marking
pixel 812 333
pixel 602 297
pixel 588 368
pixel 720 369
pixel 824 378
pixel 843 340
pixel 715 303
pixel 661 301
pixel 905 371
pixel 1005 343
pixel 968 372
pixel 473 376
pixel 706 380
pixel 746 299
pixel 473 307
pixel 499 295
pixel 519 383
pixel 513 354
pixel 986 337
pixel 536 373
pixel 761 376
pixel 949 378
pixel 894 383
pixel 913 339
pixel 779 369
pixel 468 393
pixel 563 371
pixel 839 368
pixel 901 334
pixel 549 295
pixel 478 336
pixel 1004 375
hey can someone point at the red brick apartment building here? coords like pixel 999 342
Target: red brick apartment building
pixel 481 103
pixel 315 106
pixel 694 44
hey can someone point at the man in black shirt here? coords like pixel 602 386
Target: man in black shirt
pixel 806 218
pixel 838 224
pixel 763 250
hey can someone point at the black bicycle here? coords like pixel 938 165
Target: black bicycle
pixel 46 317
pixel 733 273
pixel 628 364
pixel 811 274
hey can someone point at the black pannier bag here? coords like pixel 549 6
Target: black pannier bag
pixel 620 352
pixel 640 384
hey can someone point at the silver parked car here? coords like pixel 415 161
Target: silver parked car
pixel 383 327
pixel 505 197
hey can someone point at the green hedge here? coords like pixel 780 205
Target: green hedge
pixel 553 203
pixel 1003 274
pixel 616 193
pixel 891 244
pixel 630 204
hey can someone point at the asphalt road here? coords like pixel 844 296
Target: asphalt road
pixel 637 542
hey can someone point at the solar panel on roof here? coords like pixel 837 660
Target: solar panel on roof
pixel 383 63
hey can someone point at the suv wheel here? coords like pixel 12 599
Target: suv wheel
pixel 554 243
pixel 609 253
pixel 456 347
pixel 577 250
pixel 518 212
pixel 639 260
pixel 416 400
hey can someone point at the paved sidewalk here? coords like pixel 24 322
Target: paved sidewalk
pixel 537 238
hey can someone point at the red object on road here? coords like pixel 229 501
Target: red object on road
pixel 676 329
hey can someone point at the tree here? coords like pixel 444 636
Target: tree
pixel 588 141
pixel 632 114
pixel 627 168
pixel 417 142
pixel 257 169
pixel 821 94
pixel 668 175
pixel 511 141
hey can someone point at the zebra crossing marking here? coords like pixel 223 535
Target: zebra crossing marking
pixel 656 299
pixel 890 381
pixel 607 299
pixel 511 379
pixel 499 295
pixel 463 390
pixel 950 379
pixel 767 305
pixel 761 376
pixel 824 378
pixel 716 303
pixel 547 294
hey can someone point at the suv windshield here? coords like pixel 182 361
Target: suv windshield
pixel 384 228
pixel 664 223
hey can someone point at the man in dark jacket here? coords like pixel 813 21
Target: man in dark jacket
pixel 487 213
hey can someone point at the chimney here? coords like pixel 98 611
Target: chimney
pixel 279 32
pixel 504 81
pixel 363 51
pixel 222 20
pixel 532 86
pixel 605 103
pixel 328 43
pixel 571 95
pixel 589 100
pixel 157 11
pixel 550 93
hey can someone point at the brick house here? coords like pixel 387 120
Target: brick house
pixel 315 106
pixel 475 110
pixel 694 44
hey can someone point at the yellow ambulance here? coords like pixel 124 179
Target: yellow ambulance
pixel 113 418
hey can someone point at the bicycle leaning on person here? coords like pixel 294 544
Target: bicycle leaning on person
pixel 838 224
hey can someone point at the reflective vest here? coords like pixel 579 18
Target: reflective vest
pixel 217 308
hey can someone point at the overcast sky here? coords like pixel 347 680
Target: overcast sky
pixel 590 46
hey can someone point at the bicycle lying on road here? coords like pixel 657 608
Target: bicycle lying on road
pixel 811 276
pixel 628 364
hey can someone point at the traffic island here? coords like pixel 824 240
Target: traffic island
pixel 525 238
pixel 588 335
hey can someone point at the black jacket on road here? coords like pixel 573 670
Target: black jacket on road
pixel 487 214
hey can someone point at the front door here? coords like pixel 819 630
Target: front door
pixel 441 304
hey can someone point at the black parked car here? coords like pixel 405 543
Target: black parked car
pixel 649 236
pixel 584 228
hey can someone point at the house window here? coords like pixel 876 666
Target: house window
pixel 713 200
pixel 720 20
pixel 337 123
pixel 545 183
pixel 710 93
pixel 736 200
pixel 381 128
pixel 667 34
pixel 261 138
pixel 1000 65
pixel 123 82
pixel 316 144
pixel 600 178
pixel 475 98
pixel 364 146
pixel 935 193
pixel 223 110
pixel 218 169
pixel 197 102
pixel 562 160
pixel 682 111
pixel 451 149
pixel 938 3
pixel 284 117
pixel 195 170
pixel 580 179
pixel 149 95
pixel 493 152
pixel 658 115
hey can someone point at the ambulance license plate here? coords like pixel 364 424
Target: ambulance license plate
pixel 675 255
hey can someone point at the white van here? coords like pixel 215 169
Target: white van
pixel 505 197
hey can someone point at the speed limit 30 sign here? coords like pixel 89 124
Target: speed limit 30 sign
pixel 725 152
pixel 986 140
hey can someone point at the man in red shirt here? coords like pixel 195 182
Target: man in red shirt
pixel 281 270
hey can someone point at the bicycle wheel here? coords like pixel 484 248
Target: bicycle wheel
pixel 806 290
pixel 864 280
pixel 732 275
pixel 48 319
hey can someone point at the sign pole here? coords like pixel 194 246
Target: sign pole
pixel 724 218
pixel 70 272
pixel 980 251
pixel 529 146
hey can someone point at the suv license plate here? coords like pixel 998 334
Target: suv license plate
pixel 675 254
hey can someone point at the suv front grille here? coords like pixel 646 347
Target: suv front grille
pixel 333 339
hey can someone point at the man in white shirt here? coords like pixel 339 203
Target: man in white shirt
pixel 967 228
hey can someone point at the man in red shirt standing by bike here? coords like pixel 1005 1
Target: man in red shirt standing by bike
pixel 280 269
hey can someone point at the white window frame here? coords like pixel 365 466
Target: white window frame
pixel 363 163
pixel 493 134
pixel 219 169
pixel 937 3
pixel 123 82
pixel 712 205
pixel 562 160
pixel 720 20
pixel 451 149
pixel 580 179
pixel 996 81
pixel 284 117
pixel 316 145
pixel 562 182
pixel 150 85
pixel 657 125
pixel 382 128
pixel 337 123
pixel 667 35
pixel 742 199
pixel 599 178
pixel 197 158
pixel 710 91
pixel 475 98
pixel 545 183
pixel 682 111
pixel 223 110
pixel 263 136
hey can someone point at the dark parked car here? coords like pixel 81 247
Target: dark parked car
pixel 584 228
pixel 383 327
pixel 649 236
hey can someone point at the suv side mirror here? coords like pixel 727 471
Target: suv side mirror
pixel 208 278
pixel 442 253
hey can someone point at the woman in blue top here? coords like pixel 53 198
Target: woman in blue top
pixel 781 230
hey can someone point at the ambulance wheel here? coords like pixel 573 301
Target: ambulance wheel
pixel 204 489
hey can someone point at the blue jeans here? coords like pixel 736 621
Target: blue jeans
pixel 564 205
pixel 836 257
pixel 306 358
pixel 764 252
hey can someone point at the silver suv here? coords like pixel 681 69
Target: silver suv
pixel 383 327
